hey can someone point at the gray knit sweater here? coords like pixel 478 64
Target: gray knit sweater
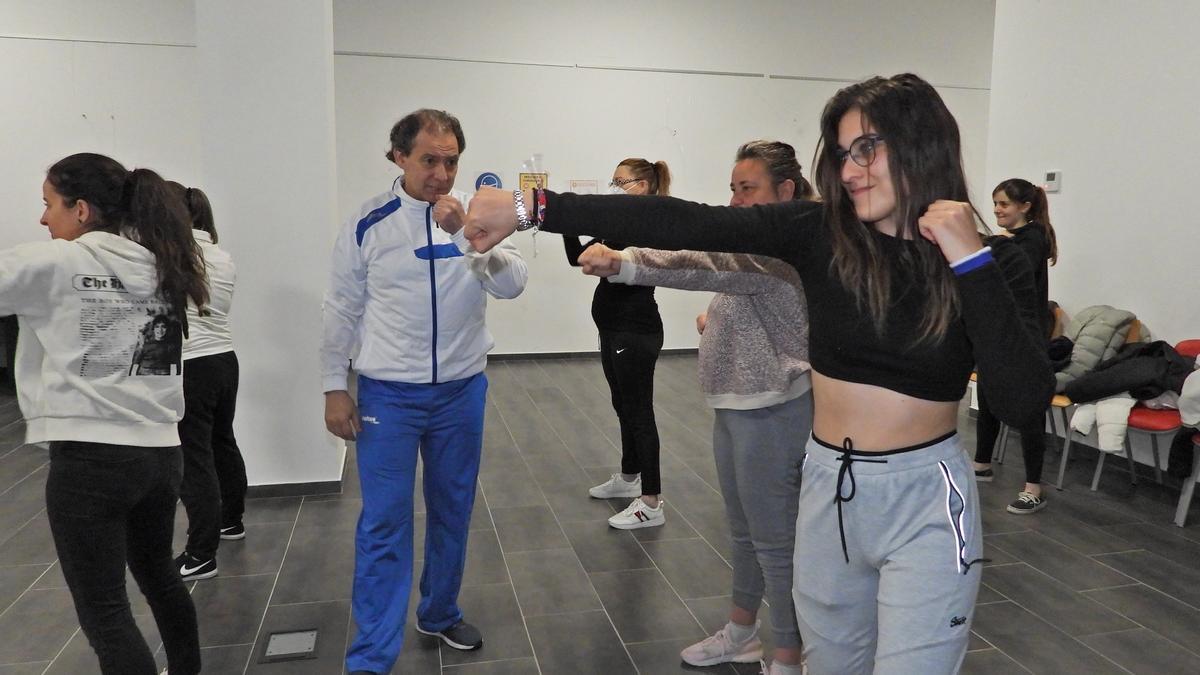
pixel 754 349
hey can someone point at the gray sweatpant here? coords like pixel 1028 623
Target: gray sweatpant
pixel 904 602
pixel 758 455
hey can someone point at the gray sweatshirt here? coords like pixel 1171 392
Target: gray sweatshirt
pixel 754 349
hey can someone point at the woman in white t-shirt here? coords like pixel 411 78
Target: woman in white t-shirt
pixel 214 474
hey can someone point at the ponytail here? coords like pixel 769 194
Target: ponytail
pixel 140 206
pixel 199 208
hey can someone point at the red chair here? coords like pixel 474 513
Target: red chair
pixel 1156 423
pixel 1189 486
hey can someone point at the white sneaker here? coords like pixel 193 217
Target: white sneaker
pixel 616 486
pixel 638 515
pixel 719 649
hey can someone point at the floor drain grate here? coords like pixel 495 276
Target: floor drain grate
pixel 290 646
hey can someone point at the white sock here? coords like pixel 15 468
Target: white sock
pixel 778 668
pixel 629 477
pixel 738 633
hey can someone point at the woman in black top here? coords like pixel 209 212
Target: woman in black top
pixel 631 337
pixel 889 533
pixel 1023 213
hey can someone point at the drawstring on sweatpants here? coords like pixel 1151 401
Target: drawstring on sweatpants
pixel 847 459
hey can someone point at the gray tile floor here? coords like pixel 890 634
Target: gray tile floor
pixel 1096 583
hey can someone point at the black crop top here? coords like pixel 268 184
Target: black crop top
pixel 990 334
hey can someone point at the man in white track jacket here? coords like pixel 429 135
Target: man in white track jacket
pixel 408 291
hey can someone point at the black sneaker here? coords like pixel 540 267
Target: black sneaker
pixel 461 635
pixel 984 476
pixel 1027 502
pixel 192 568
pixel 237 531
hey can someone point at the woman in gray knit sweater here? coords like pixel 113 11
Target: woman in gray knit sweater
pixel 755 374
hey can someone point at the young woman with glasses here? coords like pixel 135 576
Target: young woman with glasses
pixel 631 337
pixel 904 300
pixel 1023 213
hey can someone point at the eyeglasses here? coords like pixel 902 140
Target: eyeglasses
pixel 862 150
pixel 622 182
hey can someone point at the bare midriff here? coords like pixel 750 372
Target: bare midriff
pixel 876 419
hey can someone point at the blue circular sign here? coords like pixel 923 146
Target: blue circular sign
pixel 488 179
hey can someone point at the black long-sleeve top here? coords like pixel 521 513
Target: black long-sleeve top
pixel 990 334
pixel 618 307
pixel 1032 239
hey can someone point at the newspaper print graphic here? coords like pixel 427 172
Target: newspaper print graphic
pixel 123 334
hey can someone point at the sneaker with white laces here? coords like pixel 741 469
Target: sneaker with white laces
pixel 1026 502
pixel 718 648
pixel 638 515
pixel 616 486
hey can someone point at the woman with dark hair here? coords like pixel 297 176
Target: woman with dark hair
pixel 753 363
pixel 631 337
pixel 214 474
pixel 903 301
pixel 1022 211
pixel 121 250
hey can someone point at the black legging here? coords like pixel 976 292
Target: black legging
pixel 214 474
pixel 628 360
pixel 1033 441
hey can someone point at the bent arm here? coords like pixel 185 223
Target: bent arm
pixel 575 248
pixel 998 309
pixel 502 270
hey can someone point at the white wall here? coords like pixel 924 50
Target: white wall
pixel 100 77
pixel 267 122
pixel 1105 92
pixel 591 90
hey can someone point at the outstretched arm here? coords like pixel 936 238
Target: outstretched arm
pixel 777 230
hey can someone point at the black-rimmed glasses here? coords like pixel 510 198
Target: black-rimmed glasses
pixel 862 150
pixel 622 182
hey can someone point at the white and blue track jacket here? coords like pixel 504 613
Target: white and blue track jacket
pixel 409 296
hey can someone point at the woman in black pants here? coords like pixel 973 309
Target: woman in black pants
pixel 121 256
pixel 214 474
pixel 1023 213
pixel 631 336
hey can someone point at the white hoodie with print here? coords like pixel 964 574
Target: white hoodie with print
pixel 99 353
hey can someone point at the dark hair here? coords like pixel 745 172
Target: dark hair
pixel 140 206
pixel 1022 191
pixel 405 131
pixel 198 208
pixel 925 162
pixel 656 175
pixel 780 161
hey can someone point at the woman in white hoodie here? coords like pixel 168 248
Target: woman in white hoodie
pixel 121 258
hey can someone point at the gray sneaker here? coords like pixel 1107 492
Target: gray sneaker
pixel 718 648
pixel 462 636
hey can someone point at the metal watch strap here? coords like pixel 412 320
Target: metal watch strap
pixel 523 220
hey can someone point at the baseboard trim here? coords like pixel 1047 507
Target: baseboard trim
pixel 328 487
pixel 575 355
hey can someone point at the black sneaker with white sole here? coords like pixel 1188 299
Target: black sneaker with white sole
pixel 461 635
pixel 984 476
pixel 236 531
pixel 192 568
pixel 1027 502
